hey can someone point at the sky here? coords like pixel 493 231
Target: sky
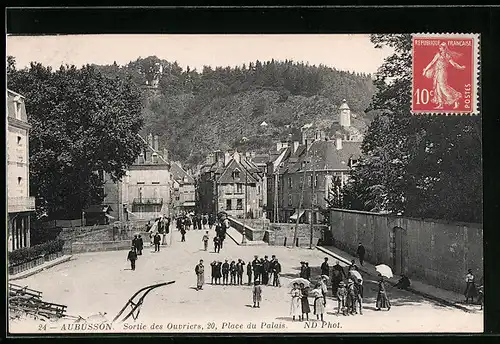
pixel 344 52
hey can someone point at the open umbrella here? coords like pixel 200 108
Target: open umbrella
pixel 299 281
pixel 384 270
pixel 356 275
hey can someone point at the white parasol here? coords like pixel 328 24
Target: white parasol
pixel 384 270
pixel 356 275
pixel 299 281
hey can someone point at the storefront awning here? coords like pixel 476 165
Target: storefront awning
pixel 188 204
pixel 294 216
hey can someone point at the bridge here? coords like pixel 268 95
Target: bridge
pixel 254 231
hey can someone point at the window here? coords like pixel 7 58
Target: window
pixel 239 204
pixel 258 189
pixel 260 202
pixel 177 198
pixel 310 180
pixel 19 140
pixel 154 158
pixel 289 199
pixel 140 183
pixel 289 182
pixel 236 174
pixel 301 180
pixel 156 183
pixel 140 193
pixel 228 204
pixel 239 188
pixel 19 180
pixel 316 181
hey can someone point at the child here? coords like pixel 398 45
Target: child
pixel 205 241
pixel 257 294
pixel 132 256
pixel 341 298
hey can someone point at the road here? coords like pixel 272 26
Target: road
pixel 103 282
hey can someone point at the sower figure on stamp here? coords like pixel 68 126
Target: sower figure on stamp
pixel 200 275
pixel 132 256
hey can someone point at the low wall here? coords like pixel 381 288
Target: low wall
pixel 282 234
pixel 251 233
pixel 98 246
pixel 433 251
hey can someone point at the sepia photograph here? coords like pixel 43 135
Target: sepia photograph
pixel 244 183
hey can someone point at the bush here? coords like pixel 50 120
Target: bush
pixel 26 254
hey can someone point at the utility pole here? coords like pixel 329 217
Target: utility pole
pixel 313 181
pixel 295 234
pixel 244 239
pixel 276 201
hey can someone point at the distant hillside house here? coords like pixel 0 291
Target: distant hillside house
pixel 144 192
pixel 183 198
pixel 264 124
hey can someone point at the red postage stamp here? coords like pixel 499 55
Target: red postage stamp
pixel 445 73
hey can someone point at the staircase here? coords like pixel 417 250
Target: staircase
pixel 237 237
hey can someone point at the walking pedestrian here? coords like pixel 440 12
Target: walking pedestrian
pixel 249 273
pixel 319 306
pixel 295 306
pixel 325 268
pixel 307 272
pixel 304 301
pixel 232 272
pixel 157 241
pixel 132 256
pixel 216 244
pixel 205 241
pixel 382 299
pixel 200 275
pixel 276 273
pixel 183 233
pixel 470 287
pixel 225 272
pixel 140 245
pixel 257 294
pixel 240 267
pixel 361 253
pixel 265 270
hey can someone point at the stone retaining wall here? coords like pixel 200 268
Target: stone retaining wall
pixel 282 234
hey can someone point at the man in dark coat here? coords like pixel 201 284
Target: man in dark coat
pixel 213 266
pixel 140 245
pixel 225 272
pixel 403 283
pixel 183 233
pixel 308 272
pixel 198 219
pixel 256 269
pixel 211 221
pixel 240 268
pixel 134 243
pixel 302 269
pixel 219 273
pixel 132 256
pixel 249 273
pixel 276 273
pixel 325 268
pixel 271 267
pixel 265 270
pixel 216 244
pixel 361 253
pixel 204 221
pixel 338 275
pixel 157 241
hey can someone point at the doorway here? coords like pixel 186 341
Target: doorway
pixel 399 252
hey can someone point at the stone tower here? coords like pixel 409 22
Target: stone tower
pixel 344 114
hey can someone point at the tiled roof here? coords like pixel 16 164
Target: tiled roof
pixel 227 175
pixel 178 174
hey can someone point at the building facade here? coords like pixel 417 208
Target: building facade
pixel 144 191
pixel 231 183
pixel 20 206
pixel 183 197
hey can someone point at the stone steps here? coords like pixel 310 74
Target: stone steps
pixel 237 237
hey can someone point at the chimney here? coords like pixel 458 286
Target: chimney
pixel 165 154
pixel 278 146
pixel 237 156
pixel 150 140
pixel 295 146
pixel 338 143
pixel 219 157
pixel 227 157
pixel 155 142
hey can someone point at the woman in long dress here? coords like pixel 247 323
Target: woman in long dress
pixel 470 287
pixel 295 306
pixel 319 305
pixel 304 301
pixel 382 299
pixel 437 71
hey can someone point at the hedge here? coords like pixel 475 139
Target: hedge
pixel 26 254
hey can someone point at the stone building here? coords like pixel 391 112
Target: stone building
pixel 20 206
pixel 231 183
pixel 144 192
pixel 183 197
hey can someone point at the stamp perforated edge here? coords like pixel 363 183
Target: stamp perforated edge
pixel 475 77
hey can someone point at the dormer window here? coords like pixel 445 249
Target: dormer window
pixel 236 174
pixel 154 158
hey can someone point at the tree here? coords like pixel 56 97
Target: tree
pixel 82 122
pixel 418 166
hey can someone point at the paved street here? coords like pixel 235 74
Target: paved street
pixel 102 282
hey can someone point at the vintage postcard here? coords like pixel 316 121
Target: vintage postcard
pixel 244 184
